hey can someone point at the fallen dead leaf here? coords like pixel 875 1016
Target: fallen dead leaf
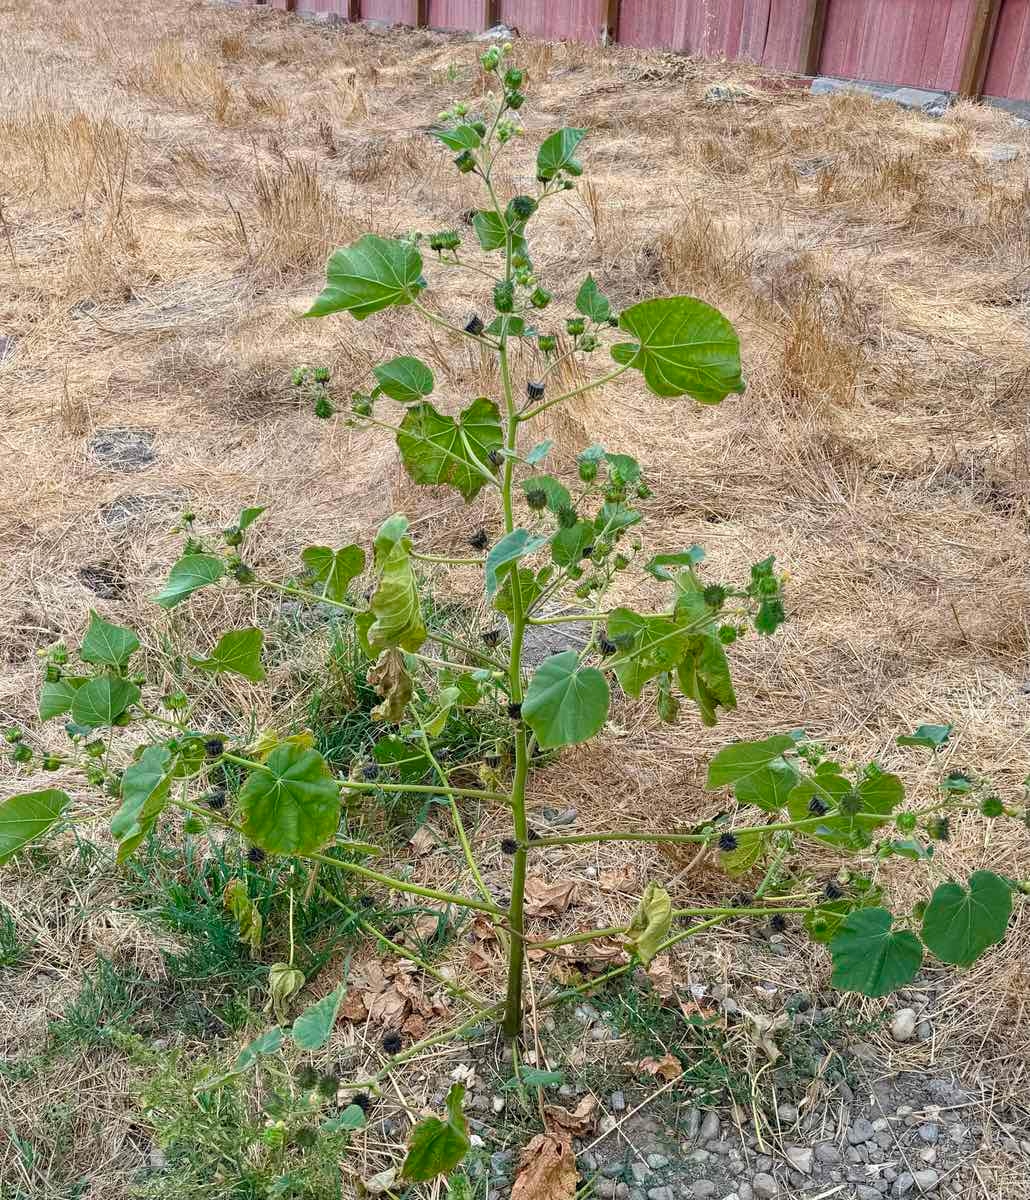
pixel 547 1169
pixel 659 971
pixel 762 1030
pixel 422 841
pixel 548 899
pixel 577 1123
pixel 621 879
pixel 668 1067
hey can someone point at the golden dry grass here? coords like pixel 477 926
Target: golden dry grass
pixel 172 179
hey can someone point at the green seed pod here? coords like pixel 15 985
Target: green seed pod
pixel 522 207
pixel 504 297
pixel 242 573
pixel 21 753
pixel 620 562
pixel 444 239
pixel 727 634
pixel 324 407
pixel 320 374
pixel 361 404
pixel 715 595
pixel 479 127
pixel 53 673
pixel 906 822
pixel 547 343
pixel 513 78
pixel 575 326
pixel 465 162
pixel 59 654
pixel 536 498
pixel 567 516
pixel 992 807
pixel 515 100
pixel 540 297
pixel 51 762
pixel 643 491
pixel 587 470
pixel 13 735
pixel 297 377
pixel 583 591
pixel 233 536
pixel 588 343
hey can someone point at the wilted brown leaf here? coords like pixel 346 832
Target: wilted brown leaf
pixel 547 1169
pixel 354 1008
pixel 545 899
pixel 578 1122
pixel 668 1067
pixel 422 840
pixel 659 971
pixel 621 879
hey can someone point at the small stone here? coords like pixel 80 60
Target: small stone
pixel 904 1025
pixel 958 1133
pixel 600 1033
pixel 379 1185
pixel 745 1191
pixel 800 1158
pixel 123 449
pixel 692 1121
pixel 860 1131
pixel 787 1113
pixel 617 1100
pixel 608 1123
pixel 698 1156
pixel 864 1192
pixel 709 1127
pixel 929 1133
pixel 926 1180
pixel 763 1164
pixel 156 1159
pixel 929 1155
pixel 613 1170
pixel 585 1014
pixel 703 1189
pixel 904 1183
pixel 881 1125
pixel 657 1162
pixel 1000 152
pixel 605 1189
pixel 497 1104
pixel 720 1147
pixel 496 33
pixel 765 1187
pixel 639 1171
pixel 826 1152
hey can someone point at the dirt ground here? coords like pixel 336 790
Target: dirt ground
pixel 172 179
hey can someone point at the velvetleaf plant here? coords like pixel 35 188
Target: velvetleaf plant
pixel 561 549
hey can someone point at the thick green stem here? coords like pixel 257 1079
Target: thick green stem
pixel 401 885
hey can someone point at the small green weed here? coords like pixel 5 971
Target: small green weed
pixel 108 1001
pixel 13 952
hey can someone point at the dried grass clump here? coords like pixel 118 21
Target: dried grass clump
pixel 187 76
pixel 701 251
pixel 297 219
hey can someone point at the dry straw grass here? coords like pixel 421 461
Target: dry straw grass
pixel 172 180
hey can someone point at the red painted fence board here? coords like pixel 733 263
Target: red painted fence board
pixel 1008 68
pixel 915 42
pixel 458 14
pixel 339 7
pixel 397 12
pixel 578 20
pixel 765 31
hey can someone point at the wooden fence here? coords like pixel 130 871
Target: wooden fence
pixel 970 47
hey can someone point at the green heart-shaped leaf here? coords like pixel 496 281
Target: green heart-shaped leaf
pixel 436 449
pixel 929 736
pixel 557 152
pixel 27 816
pixel 648 646
pixel 704 677
pixel 191 573
pixel 312 1028
pixel 404 379
pixel 333 570
pixel 100 701
pixel 238 651
pixel 372 274
pixel 566 703
pixel 959 925
pixel 868 957
pixel 145 787
pixel 591 303
pixel 292 806
pixel 753 770
pixel 267 1043
pixel 107 644
pixel 436 1147
pixel 56 698
pixel 684 347
pixel 461 137
pixel 509 549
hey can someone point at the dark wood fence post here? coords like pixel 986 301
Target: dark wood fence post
pixel 610 20
pixel 979 39
pixel 812 26
pixel 491 13
pixel 353 10
pixel 421 13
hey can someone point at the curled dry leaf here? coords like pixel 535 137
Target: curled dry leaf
pixel 545 899
pixel 621 879
pixel 391 680
pixel 668 1067
pixel 659 971
pixel 547 1169
pixel 423 841
pixel 762 1030
pixel 577 1123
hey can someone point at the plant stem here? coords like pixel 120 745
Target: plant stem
pixel 401 885
pixel 577 391
pixel 474 337
pixel 590 935
pixel 558 620
pixel 451 562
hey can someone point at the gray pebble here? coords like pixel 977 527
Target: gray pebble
pixel 827 1153
pixel 787 1113
pixel 639 1171
pixel 904 1025
pixel 929 1133
pixel 657 1161
pixel 709 1127
pixel 617 1100
pixel 864 1192
pixel 613 1170
pixel 765 1187
pixel 692 1123
pixel 904 1183
pixel 720 1147
pixel 926 1180
pixel 501 1160
pixel 588 1161
pixel 860 1131
pixel 605 1189
pixel 924 1031
pixel 701 1190
pixel 958 1133
pixel 800 1158
pixel 745 1191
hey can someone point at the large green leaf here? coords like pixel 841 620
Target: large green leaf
pixel 333 570
pixel 372 274
pixel 557 153
pixel 932 737
pixel 530 587
pixel 312 1028
pixel 872 802
pixel 959 925
pixel 352 1117
pixel 557 493
pixel 591 303
pixel 648 646
pixel 404 379
pixel 509 549
pixel 145 787
pixel 492 230
pixel 56 698
pixel 238 651
pixel 107 644
pixel 704 676
pixel 436 1147
pixel 249 515
pixel 683 347
pixel 569 542
pixel 756 771
pixel 660 563
pixel 103 699
pixel 409 760
pixel 436 449
pixel 461 137
pixel 748 852
pixel 870 958
pixel 566 703
pixel 395 604
pixel 292 805
pixel 266 1043
pixel 27 816
pixel 191 573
